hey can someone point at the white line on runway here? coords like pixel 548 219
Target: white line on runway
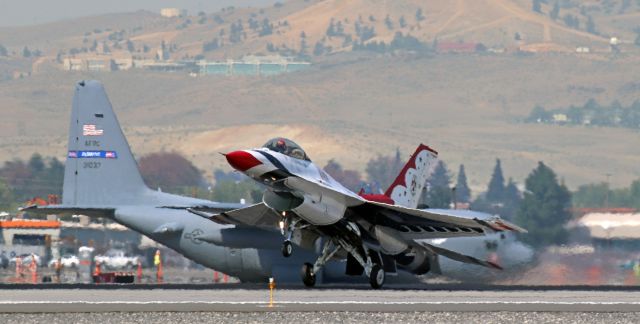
pixel 342 302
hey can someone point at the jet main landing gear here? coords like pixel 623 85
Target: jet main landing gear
pixel 373 270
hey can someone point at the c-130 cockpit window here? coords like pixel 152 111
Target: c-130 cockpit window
pixel 287 147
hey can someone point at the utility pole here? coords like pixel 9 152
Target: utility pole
pixel 606 200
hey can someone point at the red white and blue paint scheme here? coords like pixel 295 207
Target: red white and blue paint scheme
pixel 376 234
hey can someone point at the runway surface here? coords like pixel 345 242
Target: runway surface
pixel 255 299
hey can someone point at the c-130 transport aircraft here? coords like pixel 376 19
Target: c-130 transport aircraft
pixel 102 180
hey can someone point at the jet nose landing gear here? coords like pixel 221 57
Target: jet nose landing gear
pixel 287 249
pixel 376 277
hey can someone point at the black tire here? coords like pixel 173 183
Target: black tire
pixel 308 278
pixel 287 249
pixel 377 277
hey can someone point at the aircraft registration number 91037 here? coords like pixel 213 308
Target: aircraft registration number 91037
pixel 91 165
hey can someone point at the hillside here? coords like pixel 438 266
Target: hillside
pixel 311 28
pixel 351 105
pixel 467 107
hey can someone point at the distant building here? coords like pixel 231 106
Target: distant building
pixel 123 64
pixel 99 64
pixel 252 66
pixel 611 228
pixel 583 49
pixel 73 64
pixel 560 118
pixel 172 12
pixel 456 47
pixel 545 47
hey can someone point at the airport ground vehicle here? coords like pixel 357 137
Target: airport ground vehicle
pixel 26 260
pixel 66 260
pixel 117 259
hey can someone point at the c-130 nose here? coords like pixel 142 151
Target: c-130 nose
pixel 242 160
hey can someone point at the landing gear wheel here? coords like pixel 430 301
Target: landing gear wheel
pixel 308 277
pixel 377 276
pixel 287 249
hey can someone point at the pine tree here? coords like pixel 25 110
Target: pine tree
pixel 384 169
pixel 26 52
pixel 555 12
pixel 536 6
pixel 440 176
pixel 463 193
pixel 591 26
pixel 495 192
pixel 419 15
pixel 512 200
pixel 439 194
pixel 6 197
pixel 545 208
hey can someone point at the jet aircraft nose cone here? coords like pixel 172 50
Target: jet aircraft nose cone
pixel 242 160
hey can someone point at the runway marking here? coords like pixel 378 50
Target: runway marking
pixel 11 302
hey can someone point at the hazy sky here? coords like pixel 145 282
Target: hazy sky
pixel 29 12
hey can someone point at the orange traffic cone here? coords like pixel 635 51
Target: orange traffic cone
pixel 216 276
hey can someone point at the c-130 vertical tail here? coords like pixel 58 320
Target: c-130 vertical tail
pixel 100 168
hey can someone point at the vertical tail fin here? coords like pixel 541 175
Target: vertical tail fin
pixel 406 189
pixel 100 169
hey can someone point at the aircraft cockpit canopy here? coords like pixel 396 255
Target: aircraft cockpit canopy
pixel 286 147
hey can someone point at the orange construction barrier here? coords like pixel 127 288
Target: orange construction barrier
pixel 225 278
pixel 33 267
pixel 97 271
pixel 139 272
pixel 18 267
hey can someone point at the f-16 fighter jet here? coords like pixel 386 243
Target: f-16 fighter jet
pixel 376 234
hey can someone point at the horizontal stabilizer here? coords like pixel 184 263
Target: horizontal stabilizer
pixel 254 215
pixel 169 228
pixel 459 257
pixel 68 210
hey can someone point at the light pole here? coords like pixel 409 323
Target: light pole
pixel 606 200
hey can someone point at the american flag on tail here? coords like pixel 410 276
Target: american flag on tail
pixel 91 130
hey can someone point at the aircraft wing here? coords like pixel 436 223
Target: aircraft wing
pixel 69 210
pixel 414 224
pixel 255 215
pixel 298 184
pixel 458 256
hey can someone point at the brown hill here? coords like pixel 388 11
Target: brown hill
pixel 239 31
pixel 465 106
pixel 349 106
